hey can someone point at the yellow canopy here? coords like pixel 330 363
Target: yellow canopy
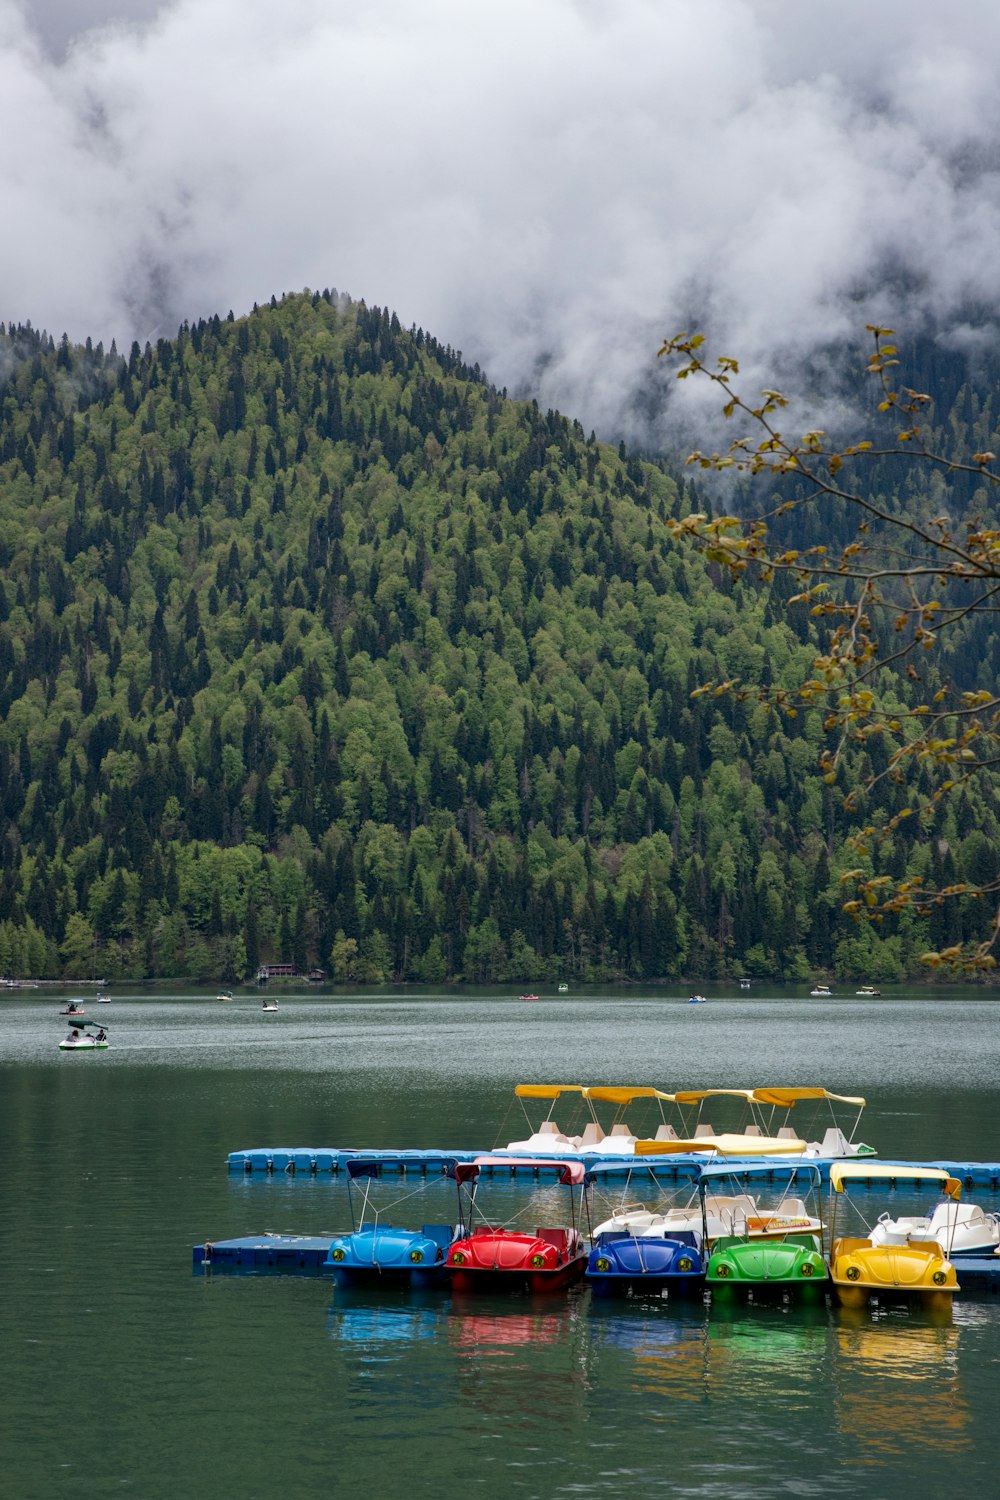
pixel 547 1090
pixel 675 1148
pixel 612 1094
pixel 785 1098
pixel 724 1145
pixel 841 1172
pixel 695 1096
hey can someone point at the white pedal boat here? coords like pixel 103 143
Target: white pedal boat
pixel 959 1228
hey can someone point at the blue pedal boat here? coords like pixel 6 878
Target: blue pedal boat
pixel 384 1252
pixel 621 1263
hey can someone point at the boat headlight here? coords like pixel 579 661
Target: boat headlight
pixel 853 1273
pixel 458 1258
pixel 416 1256
pixel 604 1264
pixel 538 1261
pixel 684 1264
pixel 939 1278
pixel 807 1268
pixel 723 1270
pixel 338 1254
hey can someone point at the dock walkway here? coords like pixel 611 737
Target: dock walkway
pixel 320 1160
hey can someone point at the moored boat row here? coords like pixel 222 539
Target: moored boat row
pixel 677 1122
pixel 739 1234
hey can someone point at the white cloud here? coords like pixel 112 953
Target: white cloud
pixel 550 185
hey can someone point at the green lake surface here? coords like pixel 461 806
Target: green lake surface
pixel 122 1373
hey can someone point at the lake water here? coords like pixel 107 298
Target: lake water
pixel 124 1374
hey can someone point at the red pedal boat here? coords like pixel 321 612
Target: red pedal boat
pixel 492 1256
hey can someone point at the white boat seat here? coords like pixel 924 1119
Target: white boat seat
pixel 834 1143
pixel 786 1133
pixel 792 1208
pixel 703 1130
pixel 721 1204
pixel 620 1129
pixel 665 1133
pixel 549 1127
pixel 592 1135
pixel 753 1130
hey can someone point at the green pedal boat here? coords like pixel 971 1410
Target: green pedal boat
pixel 777 1251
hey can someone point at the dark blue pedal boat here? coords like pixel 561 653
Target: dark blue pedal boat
pixel 621 1262
pixel 384 1252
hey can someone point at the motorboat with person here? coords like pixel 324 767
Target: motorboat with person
pixel 88 1036
pixel 491 1256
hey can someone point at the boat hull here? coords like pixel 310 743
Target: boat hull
pixel 624 1264
pixel 914 1273
pixel 384 1254
pixel 490 1279
pixel 498 1259
pixel 790 1267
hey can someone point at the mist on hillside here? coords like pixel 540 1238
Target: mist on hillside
pixel 550 189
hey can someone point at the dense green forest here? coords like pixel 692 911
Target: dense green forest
pixel 317 648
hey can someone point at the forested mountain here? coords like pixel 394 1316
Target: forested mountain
pixel 316 648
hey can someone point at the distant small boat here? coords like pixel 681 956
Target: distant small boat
pixel 224 995
pixel 744 984
pixel 527 997
pixel 697 999
pixel 270 1005
pixel 73 1008
pixel 868 990
pixel 103 999
pixel 564 989
pixel 819 990
pixel 82 1040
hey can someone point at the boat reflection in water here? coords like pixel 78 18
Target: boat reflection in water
pixel 896 1383
pixel 727 1356
pixel 531 1366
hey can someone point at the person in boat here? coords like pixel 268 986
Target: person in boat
pixel 74 1034
pixel 102 1035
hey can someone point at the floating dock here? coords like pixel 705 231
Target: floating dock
pixel 298 1254
pixel 320 1161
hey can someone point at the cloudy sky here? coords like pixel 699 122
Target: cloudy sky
pixel 549 185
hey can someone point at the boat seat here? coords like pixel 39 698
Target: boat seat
pixel 786 1133
pixel 557 1237
pixel 549 1127
pixel 701 1130
pixel 834 1143
pixel 665 1133
pixel 592 1135
pixel 738 1201
pixel 791 1208
pixel 620 1129
pixel 753 1130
